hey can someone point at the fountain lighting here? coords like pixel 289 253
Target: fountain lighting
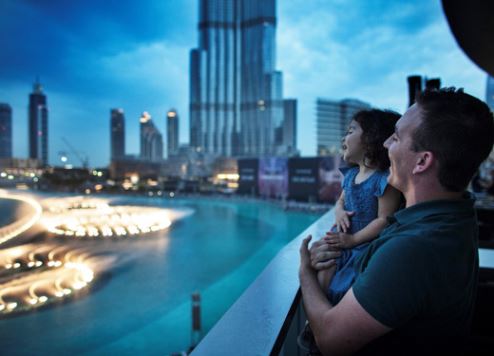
pixel 24 223
pixel 64 272
pixel 88 217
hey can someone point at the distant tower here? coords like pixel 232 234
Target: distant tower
pixel 5 131
pixel 414 88
pixel 117 129
pixel 236 101
pixel 38 125
pixel 151 140
pixel 172 132
pixel 434 83
pixel 333 118
pixel 489 92
pixel 290 124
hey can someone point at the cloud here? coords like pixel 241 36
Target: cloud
pixel 365 50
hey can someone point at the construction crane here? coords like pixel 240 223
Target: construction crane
pixel 84 159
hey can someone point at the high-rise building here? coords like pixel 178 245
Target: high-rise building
pixel 5 131
pixel 151 140
pixel 117 129
pixel 414 88
pixel 489 92
pixel 333 118
pixel 433 83
pixel 38 125
pixel 172 132
pixel 236 102
pixel 290 124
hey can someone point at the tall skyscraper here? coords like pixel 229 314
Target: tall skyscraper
pixel 290 124
pixel 38 125
pixel 117 129
pixel 489 92
pixel 433 83
pixel 236 102
pixel 333 118
pixel 151 140
pixel 172 132
pixel 414 88
pixel 5 131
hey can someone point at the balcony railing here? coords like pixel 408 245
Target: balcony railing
pixel 268 316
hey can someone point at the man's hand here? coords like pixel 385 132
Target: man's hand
pixel 323 255
pixel 342 218
pixel 305 254
pixel 339 240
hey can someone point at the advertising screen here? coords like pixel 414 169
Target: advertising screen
pixel 248 172
pixel 330 178
pixel 303 177
pixel 273 177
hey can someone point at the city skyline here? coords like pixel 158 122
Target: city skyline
pixel 93 58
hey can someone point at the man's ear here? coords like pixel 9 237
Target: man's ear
pixel 425 160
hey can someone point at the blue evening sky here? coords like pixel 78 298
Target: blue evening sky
pixel 94 55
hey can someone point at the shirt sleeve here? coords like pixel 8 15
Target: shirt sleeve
pixel 391 288
pixel 382 183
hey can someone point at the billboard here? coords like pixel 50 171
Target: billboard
pixel 303 182
pixel 330 179
pixel 248 174
pixel 273 177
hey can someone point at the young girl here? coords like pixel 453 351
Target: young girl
pixel 366 200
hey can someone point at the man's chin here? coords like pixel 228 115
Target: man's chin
pixel 392 182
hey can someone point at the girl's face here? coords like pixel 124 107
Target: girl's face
pixel 353 150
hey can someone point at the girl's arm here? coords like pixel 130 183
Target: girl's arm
pixel 388 203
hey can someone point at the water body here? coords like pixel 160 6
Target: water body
pixel 9 209
pixel 143 304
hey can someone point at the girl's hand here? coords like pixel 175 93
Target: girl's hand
pixel 339 240
pixel 342 218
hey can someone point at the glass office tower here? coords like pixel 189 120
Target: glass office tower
pixel 5 131
pixel 117 129
pixel 236 102
pixel 38 125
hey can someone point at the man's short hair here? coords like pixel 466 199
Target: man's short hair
pixel 458 129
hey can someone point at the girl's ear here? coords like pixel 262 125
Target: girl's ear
pixel 425 160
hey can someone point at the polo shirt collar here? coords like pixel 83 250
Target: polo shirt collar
pixel 441 206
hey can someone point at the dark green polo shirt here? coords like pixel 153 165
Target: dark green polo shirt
pixel 420 276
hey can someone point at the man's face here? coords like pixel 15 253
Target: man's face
pixel 399 145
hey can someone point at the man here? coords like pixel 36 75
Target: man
pixel 415 286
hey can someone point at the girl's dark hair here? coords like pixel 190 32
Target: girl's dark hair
pixel 377 126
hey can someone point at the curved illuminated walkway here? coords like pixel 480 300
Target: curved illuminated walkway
pixel 34 275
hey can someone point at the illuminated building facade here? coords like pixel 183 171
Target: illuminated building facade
pixel 117 129
pixel 5 131
pixel 333 118
pixel 151 140
pixel 236 103
pixel 38 125
pixel 172 132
